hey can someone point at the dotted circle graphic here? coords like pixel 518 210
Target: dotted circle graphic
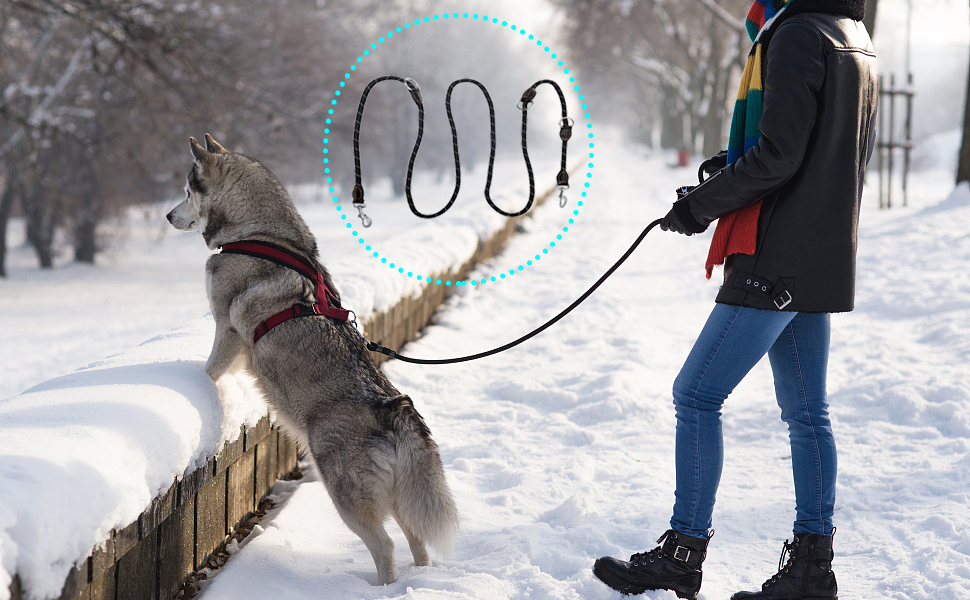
pixel 504 272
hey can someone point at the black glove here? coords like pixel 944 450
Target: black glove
pixel 680 219
pixel 712 165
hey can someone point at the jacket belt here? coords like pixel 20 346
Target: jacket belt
pixel 775 290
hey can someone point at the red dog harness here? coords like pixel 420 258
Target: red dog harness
pixel 285 258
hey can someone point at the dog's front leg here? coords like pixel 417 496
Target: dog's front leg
pixel 227 349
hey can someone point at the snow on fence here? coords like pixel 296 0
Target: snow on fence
pixel 153 556
pixel 180 530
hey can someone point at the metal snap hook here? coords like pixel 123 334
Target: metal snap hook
pixel 562 197
pixel 364 219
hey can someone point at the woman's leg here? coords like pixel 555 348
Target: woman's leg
pixel 731 343
pixel 799 359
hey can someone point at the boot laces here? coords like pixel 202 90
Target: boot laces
pixel 642 558
pixel 783 566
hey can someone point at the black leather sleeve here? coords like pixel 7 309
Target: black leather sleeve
pixel 794 72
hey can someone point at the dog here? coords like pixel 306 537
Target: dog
pixel 372 449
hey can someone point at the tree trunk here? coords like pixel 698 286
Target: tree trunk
pixel 6 203
pixel 40 233
pixel 88 213
pixel 672 122
pixel 716 113
pixel 870 19
pixel 963 167
pixel 40 210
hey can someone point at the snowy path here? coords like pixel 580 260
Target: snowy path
pixel 561 450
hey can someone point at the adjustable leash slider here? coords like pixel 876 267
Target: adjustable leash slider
pixel 565 129
pixel 414 89
pixel 528 97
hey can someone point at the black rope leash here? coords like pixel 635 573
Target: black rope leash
pixel 447 361
pixel 524 104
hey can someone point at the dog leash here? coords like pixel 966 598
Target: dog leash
pixel 526 102
pixel 709 167
pixel 373 347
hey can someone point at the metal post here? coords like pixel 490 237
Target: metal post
pixel 908 141
pixel 892 137
pixel 879 142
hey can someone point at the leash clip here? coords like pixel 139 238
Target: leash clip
pixel 356 327
pixel 358 195
pixel 364 219
pixel 562 184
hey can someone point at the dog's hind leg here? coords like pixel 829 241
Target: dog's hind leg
pixel 360 482
pixel 419 549
pixel 381 546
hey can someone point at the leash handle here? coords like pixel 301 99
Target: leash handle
pixel 448 361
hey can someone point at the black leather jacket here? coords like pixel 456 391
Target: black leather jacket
pixel 817 125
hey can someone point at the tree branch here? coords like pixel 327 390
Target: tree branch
pixel 721 13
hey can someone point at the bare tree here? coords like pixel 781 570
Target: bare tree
pixel 110 90
pixel 688 53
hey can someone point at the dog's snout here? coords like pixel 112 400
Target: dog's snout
pixel 170 218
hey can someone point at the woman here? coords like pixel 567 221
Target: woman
pixel 787 202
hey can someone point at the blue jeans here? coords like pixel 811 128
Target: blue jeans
pixel 732 342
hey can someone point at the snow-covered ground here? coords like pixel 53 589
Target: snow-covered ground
pixel 561 450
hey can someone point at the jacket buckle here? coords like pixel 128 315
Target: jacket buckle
pixel 783 299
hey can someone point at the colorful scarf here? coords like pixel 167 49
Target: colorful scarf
pixel 737 233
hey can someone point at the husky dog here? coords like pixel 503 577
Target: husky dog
pixel 372 449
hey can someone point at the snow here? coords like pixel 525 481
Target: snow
pixel 86 452
pixel 558 451
pixel 561 450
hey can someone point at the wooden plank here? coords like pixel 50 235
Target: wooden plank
pixel 137 571
pixel 75 581
pixel 266 468
pixel 102 588
pixel 103 558
pixel 176 549
pixel 241 486
pixel 210 517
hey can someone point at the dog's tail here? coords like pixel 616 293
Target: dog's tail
pixel 422 500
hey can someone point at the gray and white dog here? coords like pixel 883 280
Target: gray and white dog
pixel 372 449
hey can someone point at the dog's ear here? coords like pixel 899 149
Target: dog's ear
pixel 213 146
pixel 200 154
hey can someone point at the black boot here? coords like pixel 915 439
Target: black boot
pixel 676 565
pixel 806 576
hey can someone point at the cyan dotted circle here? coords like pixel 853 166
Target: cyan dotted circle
pixel 502 273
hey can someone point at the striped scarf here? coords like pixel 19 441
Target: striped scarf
pixel 737 233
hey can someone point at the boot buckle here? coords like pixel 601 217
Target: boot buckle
pixel 686 553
